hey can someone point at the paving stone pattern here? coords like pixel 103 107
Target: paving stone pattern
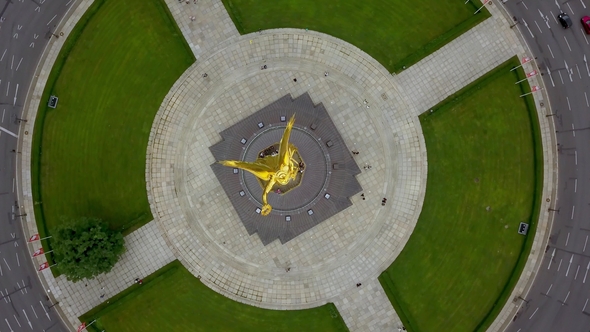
pixel 196 216
pixel 328 262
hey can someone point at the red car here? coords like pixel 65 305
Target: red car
pixel 586 23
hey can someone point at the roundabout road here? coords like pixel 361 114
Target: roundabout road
pixel 25 29
pixel 559 297
pixel 558 300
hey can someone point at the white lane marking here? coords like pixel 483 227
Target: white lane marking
pixel 5 300
pixel 568 295
pixel 67 4
pixel 575 186
pixel 569 72
pixel 569 106
pixel 561 77
pixel 551 259
pixel 17 260
pixel 585 243
pixel 25 286
pixel 34 312
pixel 527 27
pixel 570 7
pixel 8 132
pixel 579 74
pixel 1 272
pixel 554 17
pixel 584 34
pixel 551 77
pixel 12 63
pixel 27 317
pixel 5 262
pixel 573 210
pixel 586 274
pixel 586 95
pixel 16 319
pixel 17 66
pixel 576 156
pixel 568 44
pixel 7 323
pixel 534 313
pixel 559 266
pixel 3 54
pixel 3 113
pixel 583 5
pixel 525 6
pixel 586 299
pixel 573 130
pixel 557 4
pixel 15 95
pixel 550 286
pixel 7 89
pixel 538 27
pixel 53 18
pixel 577 270
pixel 569 265
pixel 567 240
pixel 46 314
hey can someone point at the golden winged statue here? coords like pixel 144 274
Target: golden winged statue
pixel 274 169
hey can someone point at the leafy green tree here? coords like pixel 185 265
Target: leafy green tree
pixel 86 247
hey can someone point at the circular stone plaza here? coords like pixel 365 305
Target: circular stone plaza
pixel 331 237
pixel 204 223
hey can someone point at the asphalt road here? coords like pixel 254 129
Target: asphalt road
pixel 25 28
pixel 559 298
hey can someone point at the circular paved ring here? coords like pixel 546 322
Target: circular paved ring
pixel 198 220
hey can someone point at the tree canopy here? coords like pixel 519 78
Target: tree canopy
pixel 86 247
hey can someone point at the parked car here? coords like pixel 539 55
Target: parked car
pixel 565 20
pixel 586 23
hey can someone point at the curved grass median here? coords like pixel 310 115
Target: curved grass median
pixel 484 177
pixel 174 300
pixel 111 76
pixel 397 33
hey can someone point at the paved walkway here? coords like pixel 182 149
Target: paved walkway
pixel 206 25
pixel 416 89
pixel 458 63
pixel 146 252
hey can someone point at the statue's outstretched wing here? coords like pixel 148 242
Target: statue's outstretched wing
pixel 284 156
pixel 261 171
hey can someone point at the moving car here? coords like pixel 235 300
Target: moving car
pixel 586 23
pixel 565 20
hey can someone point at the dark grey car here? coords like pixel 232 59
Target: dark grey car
pixel 565 20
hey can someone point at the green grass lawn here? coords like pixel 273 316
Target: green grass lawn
pixel 174 300
pixel 110 77
pixel 462 261
pixel 396 33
